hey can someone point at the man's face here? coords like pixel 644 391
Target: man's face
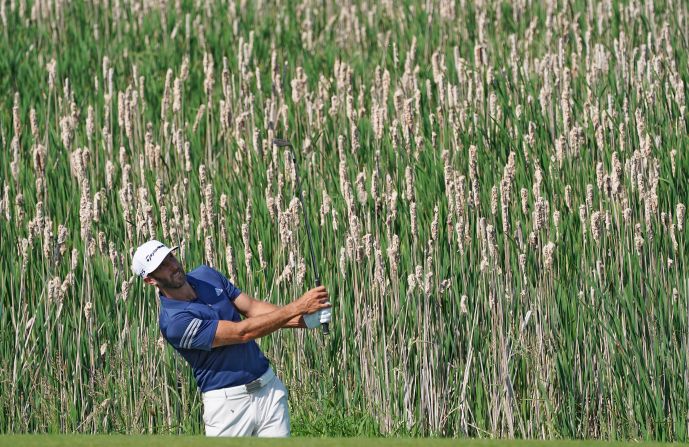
pixel 169 274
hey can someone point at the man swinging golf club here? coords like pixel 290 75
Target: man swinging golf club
pixel 200 317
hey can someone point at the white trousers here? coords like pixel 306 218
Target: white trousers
pixel 235 411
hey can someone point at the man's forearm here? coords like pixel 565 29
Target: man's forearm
pixel 296 322
pixel 262 308
pixel 229 332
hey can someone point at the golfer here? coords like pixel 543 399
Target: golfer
pixel 200 317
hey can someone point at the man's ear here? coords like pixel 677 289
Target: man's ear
pixel 149 280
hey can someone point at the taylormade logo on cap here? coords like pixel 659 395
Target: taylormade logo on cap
pixel 149 256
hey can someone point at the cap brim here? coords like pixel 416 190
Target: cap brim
pixel 158 258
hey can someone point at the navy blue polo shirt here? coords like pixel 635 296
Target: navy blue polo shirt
pixel 189 326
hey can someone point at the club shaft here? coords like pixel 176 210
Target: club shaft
pixel 308 226
pixel 283 143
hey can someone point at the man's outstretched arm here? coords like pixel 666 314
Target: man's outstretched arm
pixel 256 326
pixel 251 307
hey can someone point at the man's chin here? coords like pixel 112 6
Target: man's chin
pixel 173 285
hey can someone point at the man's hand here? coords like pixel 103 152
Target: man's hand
pixel 313 300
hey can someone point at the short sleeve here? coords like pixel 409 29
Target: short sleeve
pixel 232 290
pixel 186 331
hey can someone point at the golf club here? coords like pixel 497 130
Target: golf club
pixel 280 142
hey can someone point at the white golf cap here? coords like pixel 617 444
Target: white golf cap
pixel 149 256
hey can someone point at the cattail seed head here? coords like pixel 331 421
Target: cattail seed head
pixel 61 238
pixel 325 207
pixel 85 210
pixel 361 188
pixel 177 95
pixel 589 197
pixel 673 162
pixel 596 227
pixel 608 221
pixel 187 156
pixel 33 122
pixel 548 250
pixel 102 243
pixel 124 292
pixel 638 239
pixel 525 200
pixel 54 295
pixel 90 123
pixel 25 253
pixel 247 249
pixel 19 207
pixel 414 227
pixel 428 283
pixel 680 212
pixel 434 225
pixel 475 193
pixel 540 213
pixel 463 305
pixel 411 283
pixel 334 219
pixel 75 259
pixel 343 261
pixel 409 183
pixel 261 260
pixel 491 241
pixel 494 200
pixel 16 120
pixel 6 202
pixel 210 252
pixel 627 215
pixel 87 310
pixel 556 219
pixel 673 237
pixel 52 70
pixel 231 264
pixel 300 271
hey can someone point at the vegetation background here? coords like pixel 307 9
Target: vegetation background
pixel 498 190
